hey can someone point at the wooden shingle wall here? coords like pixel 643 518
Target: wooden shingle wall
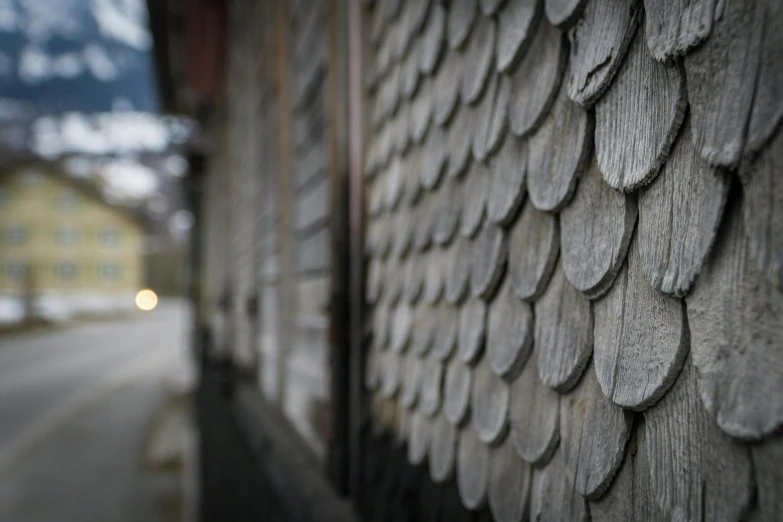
pixel 575 249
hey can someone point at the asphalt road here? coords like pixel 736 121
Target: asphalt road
pixel 76 408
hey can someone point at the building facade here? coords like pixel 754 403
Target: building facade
pixel 495 260
pixel 64 247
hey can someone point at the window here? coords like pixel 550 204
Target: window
pixel 108 272
pixel 67 236
pixel 109 236
pixel 65 270
pixel 15 270
pixel 67 200
pixel 15 235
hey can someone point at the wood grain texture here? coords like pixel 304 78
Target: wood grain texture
pixel 535 81
pixel 673 28
pixel 638 118
pixel 490 253
pixel 507 176
pixel 459 137
pixel 768 472
pixel 720 75
pixel 595 231
pixel 402 325
pixel 679 216
pixel 458 276
pixel 443 450
pixel 737 336
pixel 480 54
pixel 411 381
pixel 763 210
pixel 558 153
pixel 456 392
pixel 475 193
pixel 473 469
pixel 563 13
pixel 598 45
pixel 448 205
pixel 490 118
pixel 446 334
pixel 433 161
pixel 434 278
pixel 509 333
pixel 472 330
pixel 461 18
pixel 534 417
pixel 563 333
pixel 420 427
pixel 641 338
pixel 413 285
pixel 593 433
pixel 433 39
pixel 424 324
pixel 630 496
pixel 431 393
pixel 697 471
pixel 509 484
pixel 447 82
pixel 516 25
pixel 421 111
pixel 553 497
pixel 533 245
pixel 489 398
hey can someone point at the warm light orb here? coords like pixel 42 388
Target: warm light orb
pixel 146 300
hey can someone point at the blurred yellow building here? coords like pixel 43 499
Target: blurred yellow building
pixel 64 250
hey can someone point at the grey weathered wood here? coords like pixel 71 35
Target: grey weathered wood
pixel 424 323
pixel 456 392
pixel 446 87
pixel 767 110
pixel 380 326
pixel 558 153
pixel 433 40
pixel 516 25
pixel 768 472
pixel 736 334
pixel 563 333
pixel 378 407
pixel 435 276
pixel 490 118
pixel 534 416
pixel 417 14
pixel 630 497
pixel 475 193
pixel 473 469
pixel 679 216
pixel 697 471
pixel 390 374
pixel 490 253
pixel 403 233
pixel 508 171
pixel 449 205
pixel 595 231
pixel 459 136
pixel 637 119
pixel 553 497
pixel 563 13
pixel 414 280
pixel 393 95
pixel 535 81
pixel 378 25
pixel 763 210
pixel 641 338
pixel 395 281
pixel 461 17
pixel 411 381
pixel 419 437
pixel 509 333
pixel 421 111
pixel 393 178
pixel 490 7
pixel 598 44
pixel 446 334
pixel 533 245
pixel 412 186
pixel 472 330
pixel 458 276
pixel 431 393
pixel 480 54
pixel 433 161
pixel 378 237
pixel 673 28
pixel 400 124
pixel 489 398
pixel 720 75
pixel 509 484
pixel 375 277
pixel 402 325
pixel 372 370
pixel 443 450
pixel 425 212
pixel 593 433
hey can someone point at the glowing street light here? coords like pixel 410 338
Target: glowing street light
pixel 146 300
